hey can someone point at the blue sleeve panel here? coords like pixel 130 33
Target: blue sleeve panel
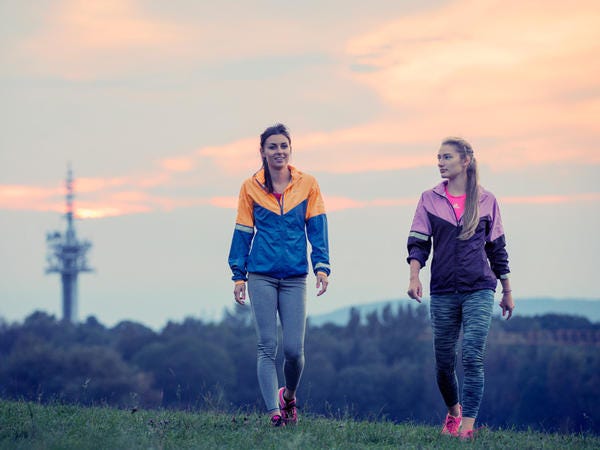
pixel 316 230
pixel 238 253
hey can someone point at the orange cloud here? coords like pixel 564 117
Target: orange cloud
pixel 516 78
pixel 241 156
pixel 337 203
pixel 553 199
pixel 531 134
pixel 98 211
pixel 474 53
pixel 178 164
pixel 82 39
pixel 97 184
pixel 20 192
pixel 224 202
pixel 122 202
pixel 341 203
pixel 32 198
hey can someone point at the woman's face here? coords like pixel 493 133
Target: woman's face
pixel 450 163
pixel 277 151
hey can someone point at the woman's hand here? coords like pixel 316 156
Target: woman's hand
pixel 239 293
pixel 507 304
pixel 415 289
pixel 322 282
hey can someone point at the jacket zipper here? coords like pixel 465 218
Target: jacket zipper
pixel 457 224
pixel 280 202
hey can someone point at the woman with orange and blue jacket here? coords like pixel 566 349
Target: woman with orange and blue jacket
pixel 279 208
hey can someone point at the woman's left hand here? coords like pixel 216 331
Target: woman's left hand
pixel 507 304
pixel 322 282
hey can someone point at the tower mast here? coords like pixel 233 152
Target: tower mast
pixel 67 255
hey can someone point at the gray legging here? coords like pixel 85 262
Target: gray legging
pixel 287 296
pixel 473 311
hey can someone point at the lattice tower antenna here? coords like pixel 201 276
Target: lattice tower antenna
pixel 67 255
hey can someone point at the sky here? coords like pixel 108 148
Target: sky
pixel 158 107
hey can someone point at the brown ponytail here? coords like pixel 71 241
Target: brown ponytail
pixel 275 129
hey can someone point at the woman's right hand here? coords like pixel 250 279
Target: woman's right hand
pixel 415 289
pixel 239 293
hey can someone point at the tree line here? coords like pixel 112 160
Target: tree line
pixel 540 372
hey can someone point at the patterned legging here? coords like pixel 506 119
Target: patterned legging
pixel 472 310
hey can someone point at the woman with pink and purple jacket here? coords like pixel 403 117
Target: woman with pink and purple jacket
pixel 461 221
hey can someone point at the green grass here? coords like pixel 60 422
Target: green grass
pixel 33 426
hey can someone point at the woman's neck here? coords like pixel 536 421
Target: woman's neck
pixel 458 185
pixel 280 178
pixel 280 175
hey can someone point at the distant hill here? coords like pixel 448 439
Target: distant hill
pixel 588 308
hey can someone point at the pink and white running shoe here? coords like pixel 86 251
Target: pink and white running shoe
pixel 452 424
pixel 288 408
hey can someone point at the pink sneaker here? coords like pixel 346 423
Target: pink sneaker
pixel 277 421
pixel 452 424
pixel 288 408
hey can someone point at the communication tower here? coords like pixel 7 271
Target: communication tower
pixel 67 255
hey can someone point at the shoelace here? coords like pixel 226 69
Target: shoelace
pixel 452 424
pixel 289 409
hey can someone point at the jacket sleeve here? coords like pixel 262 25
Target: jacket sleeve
pixel 419 238
pixel 495 246
pixel 243 234
pixel 316 230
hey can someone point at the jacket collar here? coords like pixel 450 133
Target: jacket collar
pixel 260 175
pixel 441 189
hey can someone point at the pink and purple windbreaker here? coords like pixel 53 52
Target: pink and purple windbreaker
pixel 458 265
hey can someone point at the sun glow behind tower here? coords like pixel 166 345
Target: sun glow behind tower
pixel 67 255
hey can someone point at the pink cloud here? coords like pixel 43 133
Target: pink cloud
pixel 465 46
pixel 589 197
pixel 224 202
pixel 184 164
pixel 82 40
pixel 341 203
pixel 338 203
pixel 515 75
pixel 20 192
pixel 240 156
pixel 97 184
pixel 123 202
pixel 32 198
pixel 100 211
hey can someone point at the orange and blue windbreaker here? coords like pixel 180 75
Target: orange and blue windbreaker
pixel 270 235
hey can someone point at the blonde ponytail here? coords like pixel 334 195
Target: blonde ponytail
pixel 471 214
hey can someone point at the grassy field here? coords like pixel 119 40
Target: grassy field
pixel 31 426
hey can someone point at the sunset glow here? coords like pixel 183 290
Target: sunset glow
pixel 157 108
